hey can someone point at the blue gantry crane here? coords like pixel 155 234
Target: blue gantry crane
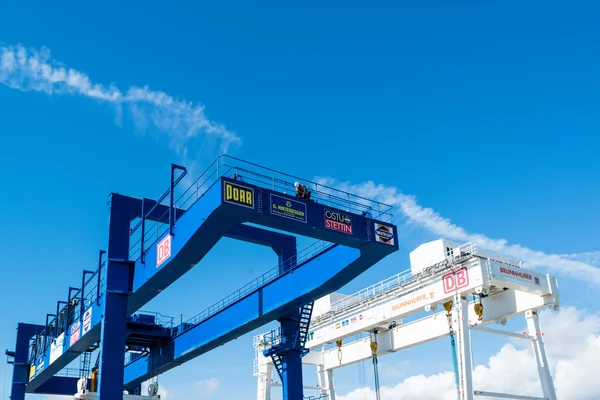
pixel 152 243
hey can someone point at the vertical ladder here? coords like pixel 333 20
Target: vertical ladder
pixel 300 338
pixel 85 362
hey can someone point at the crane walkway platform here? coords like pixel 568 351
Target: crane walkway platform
pixel 169 236
pixel 471 271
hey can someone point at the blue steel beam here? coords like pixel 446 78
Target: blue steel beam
pixel 92 334
pixel 261 237
pixel 283 245
pixel 21 359
pixel 291 361
pixel 59 385
pixel 227 204
pixel 140 334
pixel 158 212
pixel 310 281
pixel 119 271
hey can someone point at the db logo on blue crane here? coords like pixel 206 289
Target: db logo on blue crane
pixel 163 251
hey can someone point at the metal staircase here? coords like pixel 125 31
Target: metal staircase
pixel 278 346
pixel 278 365
pixel 304 324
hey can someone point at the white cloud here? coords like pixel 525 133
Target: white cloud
pixel 572 340
pixel 579 266
pixel 397 370
pixel 208 387
pixel 181 121
pixel 590 257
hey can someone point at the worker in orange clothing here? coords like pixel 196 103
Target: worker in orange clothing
pixel 302 191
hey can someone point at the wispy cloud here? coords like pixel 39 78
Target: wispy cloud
pixel 207 388
pixel 583 266
pixel 180 121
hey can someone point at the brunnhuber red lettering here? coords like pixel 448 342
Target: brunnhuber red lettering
pixel 515 273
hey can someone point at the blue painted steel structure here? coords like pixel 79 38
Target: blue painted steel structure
pixel 151 244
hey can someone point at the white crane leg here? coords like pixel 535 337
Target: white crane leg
pixel 269 381
pixel 321 374
pixel 265 382
pixel 463 347
pixel 262 387
pixel 539 350
pixel 329 382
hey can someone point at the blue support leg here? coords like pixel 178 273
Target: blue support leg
pixel 21 366
pixel 291 360
pixel 118 273
pixel 287 258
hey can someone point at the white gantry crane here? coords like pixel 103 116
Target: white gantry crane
pixel 443 275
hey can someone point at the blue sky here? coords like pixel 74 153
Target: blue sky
pixel 486 113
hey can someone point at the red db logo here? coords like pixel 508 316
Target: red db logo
pixel 163 251
pixel 456 280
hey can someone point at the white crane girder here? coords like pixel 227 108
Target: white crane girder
pixel 505 290
pixel 478 276
pixel 496 308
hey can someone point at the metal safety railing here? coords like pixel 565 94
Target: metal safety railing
pixel 69 373
pixel 131 356
pixel 288 266
pixel 471 249
pixel 369 292
pixel 79 300
pixel 147 233
pixel 457 255
pixel 159 319
pixel 271 338
pixel 321 397
pixel 323 194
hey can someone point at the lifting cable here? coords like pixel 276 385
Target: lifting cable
pixel 375 369
pixel 478 308
pixel 448 308
pixel 361 369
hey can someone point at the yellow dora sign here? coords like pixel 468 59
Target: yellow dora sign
pixel 238 194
